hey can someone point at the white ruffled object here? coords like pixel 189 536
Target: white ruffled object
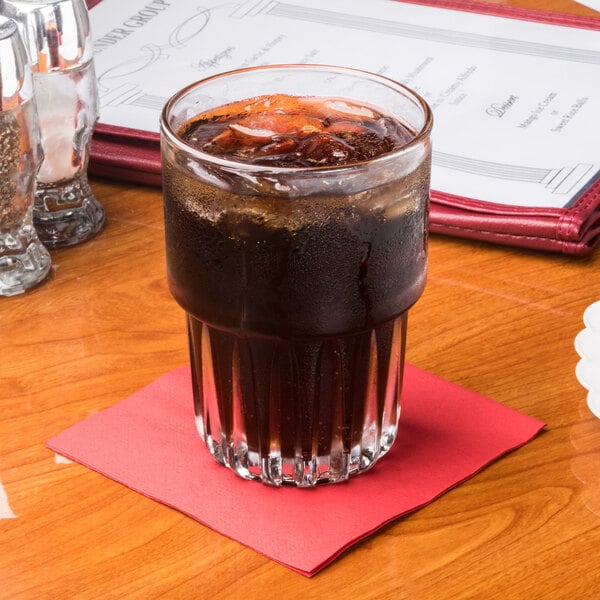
pixel 587 345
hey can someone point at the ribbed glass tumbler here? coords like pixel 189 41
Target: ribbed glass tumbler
pixel 296 278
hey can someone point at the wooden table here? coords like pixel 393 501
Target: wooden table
pixel 497 320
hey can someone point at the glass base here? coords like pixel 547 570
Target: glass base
pixel 24 261
pixel 298 412
pixel 277 470
pixel 66 213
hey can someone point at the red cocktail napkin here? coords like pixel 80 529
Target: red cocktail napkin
pixel 149 443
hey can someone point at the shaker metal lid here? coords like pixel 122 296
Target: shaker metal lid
pixel 56 33
pixel 16 85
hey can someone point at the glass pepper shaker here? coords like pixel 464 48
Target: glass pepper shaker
pixel 58 40
pixel 24 261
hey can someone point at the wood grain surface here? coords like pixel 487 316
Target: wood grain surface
pixel 500 321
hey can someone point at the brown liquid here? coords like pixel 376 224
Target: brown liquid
pixel 297 308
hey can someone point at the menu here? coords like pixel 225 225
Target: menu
pixel 515 101
pixel 595 4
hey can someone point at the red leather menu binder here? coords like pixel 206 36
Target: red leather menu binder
pixel 134 155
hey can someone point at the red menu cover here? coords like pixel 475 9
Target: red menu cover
pixel 134 155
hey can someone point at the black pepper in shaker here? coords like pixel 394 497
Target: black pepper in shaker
pixel 24 261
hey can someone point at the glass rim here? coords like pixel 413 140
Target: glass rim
pixel 176 140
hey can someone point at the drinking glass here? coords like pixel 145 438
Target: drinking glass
pixel 24 261
pixel 297 281
pixel 58 39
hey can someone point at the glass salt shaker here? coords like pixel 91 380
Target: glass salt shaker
pixel 24 261
pixel 58 40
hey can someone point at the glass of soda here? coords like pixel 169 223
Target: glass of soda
pixel 296 209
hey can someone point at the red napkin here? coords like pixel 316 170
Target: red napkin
pixel 149 443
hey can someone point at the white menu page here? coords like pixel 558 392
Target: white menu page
pixel 595 4
pixel 516 103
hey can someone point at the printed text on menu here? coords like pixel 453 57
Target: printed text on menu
pixel 515 102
